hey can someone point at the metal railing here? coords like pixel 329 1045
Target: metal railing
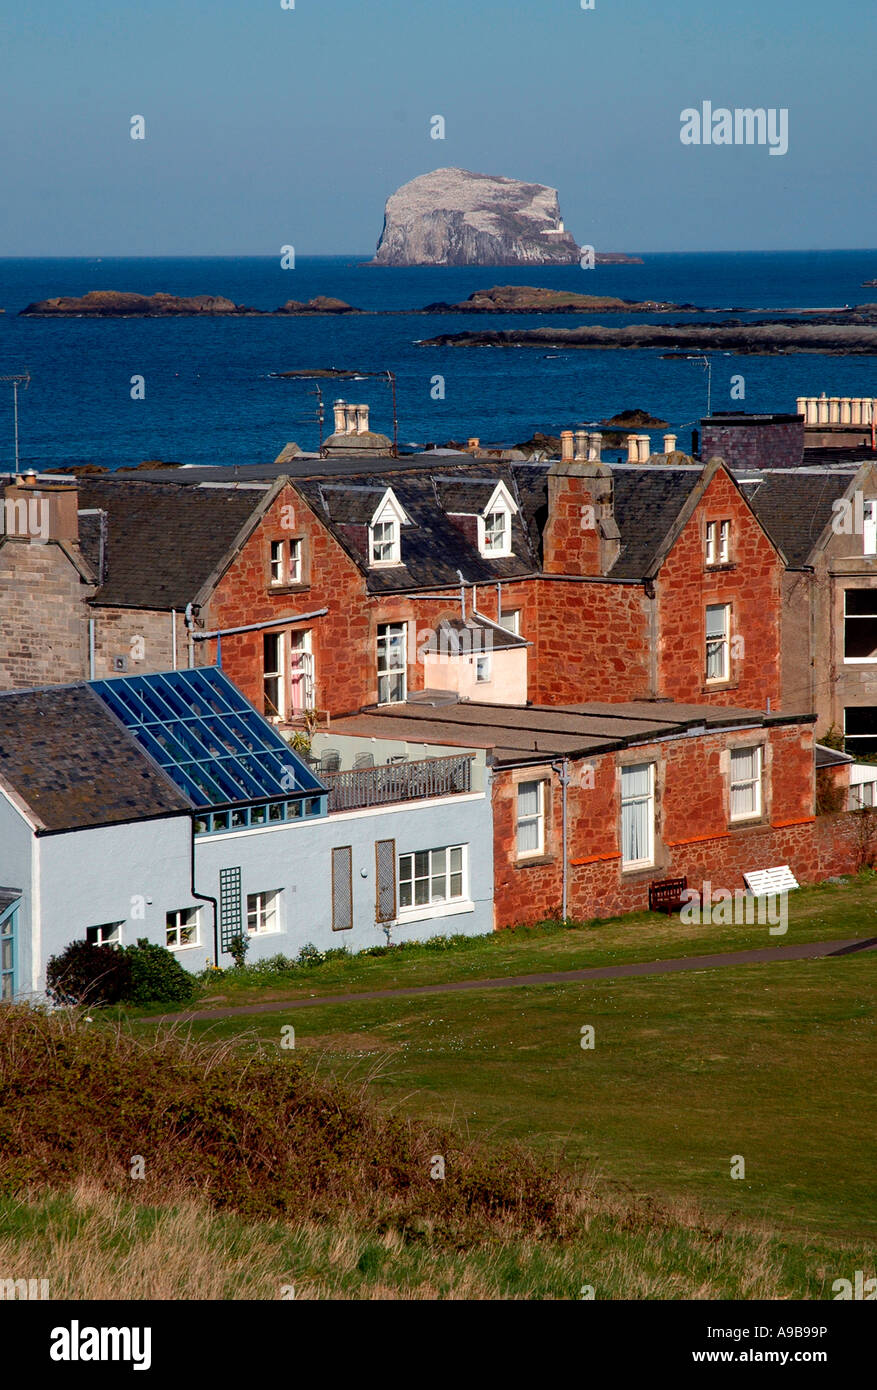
pixel 380 786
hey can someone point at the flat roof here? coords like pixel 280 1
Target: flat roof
pixel 531 733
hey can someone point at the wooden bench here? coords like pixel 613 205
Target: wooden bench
pixel 665 894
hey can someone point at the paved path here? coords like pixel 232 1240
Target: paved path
pixel 811 950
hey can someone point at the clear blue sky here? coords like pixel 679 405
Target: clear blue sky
pixel 267 126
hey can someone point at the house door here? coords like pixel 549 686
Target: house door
pixel 301 671
pixel 8 921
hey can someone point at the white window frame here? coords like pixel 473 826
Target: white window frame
pixel 302 665
pixel 193 920
pixel 858 617
pixel 718 542
pixel 869 526
pixel 439 865
pixel 647 860
pixel 536 817
pixel 872 738
pixel 510 621
pixel 754 782
pixel 723 642
pixel 390 516
pixel 278 675
pixel 492 545
pixel 389 675
pixel 108 934
pixel 285 560
pixel 263 910
pixel 387 549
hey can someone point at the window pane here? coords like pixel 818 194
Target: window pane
pixel 636 781
pixel 715 620
pixel 456 885
pixel 456 860
pixel 744 764
pixel 528 836
pixel 421 892
pixel 421 863
pixel 438 891
pixel 528 798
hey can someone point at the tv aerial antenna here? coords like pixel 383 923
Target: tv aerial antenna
pixel 17 380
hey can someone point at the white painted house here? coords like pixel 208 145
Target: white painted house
pixel 166 807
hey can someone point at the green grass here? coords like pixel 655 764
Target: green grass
pixel 95 1245
pixel 773 1062
pixel 825 912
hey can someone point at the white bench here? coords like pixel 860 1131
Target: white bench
pixel 763 883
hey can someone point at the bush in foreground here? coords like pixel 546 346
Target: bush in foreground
pixel 87 974
pixel 252 1133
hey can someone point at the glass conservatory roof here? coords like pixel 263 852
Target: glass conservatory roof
pixel 207 737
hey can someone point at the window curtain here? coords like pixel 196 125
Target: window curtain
pixel 636 803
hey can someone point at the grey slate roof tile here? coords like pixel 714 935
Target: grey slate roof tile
pixel 74 765
pixel 164 540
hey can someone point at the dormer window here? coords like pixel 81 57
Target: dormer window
pixel 496 528
pixel 495 523
pixel 384 532
pixel 385 543
pixel 718 542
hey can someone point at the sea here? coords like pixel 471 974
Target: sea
pixel 211 396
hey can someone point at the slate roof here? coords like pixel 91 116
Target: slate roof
pixel 73 764
pixel 167 537
pixel 164 540
pixel 647 502
pixel 794 507
pixel 434 547
pixel 532 733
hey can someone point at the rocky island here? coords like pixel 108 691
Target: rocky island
pixel 120 304
pixel 526 299
pixel 455 217
pixel 768 338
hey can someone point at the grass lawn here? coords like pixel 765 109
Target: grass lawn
pixel 824 912
pixel 771 1062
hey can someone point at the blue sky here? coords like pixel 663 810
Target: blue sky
pixel 267 126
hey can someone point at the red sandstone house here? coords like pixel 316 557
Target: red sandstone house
pixel 332 591
pixel 594 802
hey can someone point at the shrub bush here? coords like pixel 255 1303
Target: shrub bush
pixel 87 974
pixel 155 975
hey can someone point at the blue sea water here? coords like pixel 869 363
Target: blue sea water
pixel 210 396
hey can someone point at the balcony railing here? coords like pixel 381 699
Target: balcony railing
pixel 380 786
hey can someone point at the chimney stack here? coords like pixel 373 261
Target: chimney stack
pixel 581 535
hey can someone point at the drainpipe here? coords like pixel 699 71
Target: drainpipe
pixel 205 898
pixel 91 649
pixel 174 636
pixel 462 594
pixel 562 770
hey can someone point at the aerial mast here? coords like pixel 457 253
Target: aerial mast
pixel 17 379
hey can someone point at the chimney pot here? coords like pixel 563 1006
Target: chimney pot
pixel 566 446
